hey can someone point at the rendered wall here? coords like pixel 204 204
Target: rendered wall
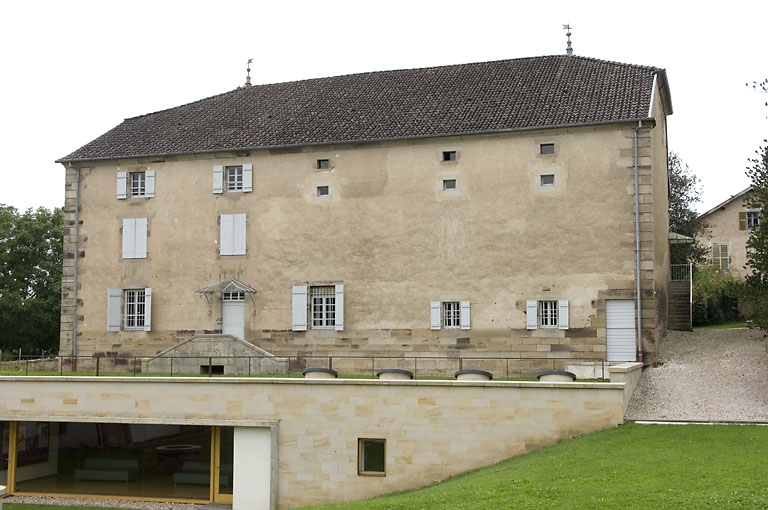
pixel 433 429
pixel 723 228
pixel 387 231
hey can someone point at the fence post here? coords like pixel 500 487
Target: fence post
pixel 97 366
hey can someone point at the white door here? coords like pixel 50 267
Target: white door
pixel 233 314
pixel 620 326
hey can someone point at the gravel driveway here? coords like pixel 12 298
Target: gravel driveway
pixel 706 375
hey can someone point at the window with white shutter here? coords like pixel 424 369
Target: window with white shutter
pixel 232 234
pixel 449 315
pixel 135 238
pixel 129 309
pixel 318 307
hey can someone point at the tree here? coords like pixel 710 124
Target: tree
pixel 684 192
pixel 30 278
pixel 756 288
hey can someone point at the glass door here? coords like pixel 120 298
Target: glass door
pixel 223 463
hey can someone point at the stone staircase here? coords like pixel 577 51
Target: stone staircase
pixel 679 306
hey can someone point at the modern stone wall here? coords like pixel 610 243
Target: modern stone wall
pixel 433 429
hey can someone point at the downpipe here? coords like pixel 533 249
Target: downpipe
pixel 637 245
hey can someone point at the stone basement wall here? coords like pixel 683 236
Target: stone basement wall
pixel 433 429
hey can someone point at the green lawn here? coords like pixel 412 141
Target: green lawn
pixel 727 325
pixel 628 467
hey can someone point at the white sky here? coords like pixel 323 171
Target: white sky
pixel 72 70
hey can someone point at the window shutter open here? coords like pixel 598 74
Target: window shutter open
pixel 218 179
pixel 122 185
pixel 531 313
pixel 114 309
pixel 299 307
pixel 247 177
pixel 147 309
pixel 465 315
pixel 340 307
pixel 149 184
pixel 562 314
pixel 434 315
pixel 226 234
pixel 742 220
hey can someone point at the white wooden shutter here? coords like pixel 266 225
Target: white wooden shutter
pixel 147 309
pixel 238 234
pixel 122 185
pixel 226 234
pixel 135 238
pixel 114 309
pixel 299 307
pixel 562 314
pixel 340 307
pixel 218 179
pixel 531 314
pixel 247 177
pixel 434 315
pixel 464 317
pixel 149 183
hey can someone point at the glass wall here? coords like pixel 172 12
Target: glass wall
pixel 118 459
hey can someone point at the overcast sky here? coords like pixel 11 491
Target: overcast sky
pixel 72 70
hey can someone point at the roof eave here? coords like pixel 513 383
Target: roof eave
pixel 71 161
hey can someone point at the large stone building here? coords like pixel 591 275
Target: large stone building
pixel 511 212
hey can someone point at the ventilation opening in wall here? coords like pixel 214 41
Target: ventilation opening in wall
pixel 323 164
pixel 548 179
pixel 322 191
pixel 449 155
pixel 212 369
pixel 449 184
pixel 547 148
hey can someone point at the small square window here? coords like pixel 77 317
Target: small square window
pixel 547 148
pixel 323 191
pixel 548 179
pixel 449 184
pixel 323 164
pixel 371 457
pixel 449 155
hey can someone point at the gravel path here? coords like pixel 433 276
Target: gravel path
pixel 712 375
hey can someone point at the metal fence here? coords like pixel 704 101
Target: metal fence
pixel 261 366
pixel 681 272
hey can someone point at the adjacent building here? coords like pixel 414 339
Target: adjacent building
pixel 512 213
pixel 729 226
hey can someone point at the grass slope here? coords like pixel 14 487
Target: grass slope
pixel 631 466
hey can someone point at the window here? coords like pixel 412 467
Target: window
pixel 323 191
pixel 449 155
pixel 135 184
pixel 236 178
pixel 720 256
pixel 449 184
pixel 753 219
pixel 233 296
pixel 323 307
pixel 323 164
pixel 547 148
pixel 547 314
pixel 371 457
pixel 135 238
pixel 548 179
pixel 318 306
pixel 129 309
pixel 449 315
pixel 232 234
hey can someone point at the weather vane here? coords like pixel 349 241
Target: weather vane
pixel 248 76
pixel 568 50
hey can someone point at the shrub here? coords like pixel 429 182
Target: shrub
pixel 716 296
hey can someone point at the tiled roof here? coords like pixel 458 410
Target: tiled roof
pixel 436 101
